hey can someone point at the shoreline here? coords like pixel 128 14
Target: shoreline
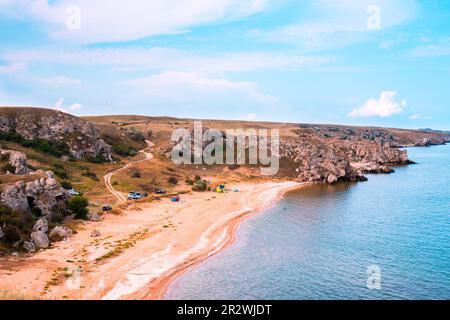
pixel 141 251
pixel 230 230
pixel 213 240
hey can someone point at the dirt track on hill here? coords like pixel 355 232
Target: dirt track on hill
pixel 108 176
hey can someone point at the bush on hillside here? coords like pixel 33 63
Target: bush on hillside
pixel 200 186
pixel 78 207
pixel 66 185
pixel 53 148
pixel 17 225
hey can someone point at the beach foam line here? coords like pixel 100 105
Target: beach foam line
pixel 162 266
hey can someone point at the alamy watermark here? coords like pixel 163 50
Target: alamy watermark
pixel 373 277
pixel 73 21
pixel 232 146
pixel 374 19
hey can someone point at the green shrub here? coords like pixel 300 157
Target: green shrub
pixel 172 180
pixel 19 225
pixel 120 147
pixel 78 207
pixel 66 185
pixel 136 174
pixel 197 178
pixel 136 135
pixel 200 185
pixel 8 167
pixel 97 159
pixel 189 181
pixel 60 172
pixel 53 148
pixel 91 175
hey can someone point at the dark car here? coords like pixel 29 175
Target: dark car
pixel 107 207
pixel 160 191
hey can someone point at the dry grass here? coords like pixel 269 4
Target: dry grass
pixel 8 294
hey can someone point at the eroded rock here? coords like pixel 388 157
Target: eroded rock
pixel 44 195
pixel 60 233
pixel 41 225
pixel 82 137
pixel 95 233
pixel 17 160
pixel 29 246
pixel 40 239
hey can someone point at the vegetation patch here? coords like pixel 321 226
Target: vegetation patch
pixel 53 148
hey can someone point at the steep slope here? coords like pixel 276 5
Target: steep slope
pixel 73 136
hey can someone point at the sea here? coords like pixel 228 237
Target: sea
pixel 387 238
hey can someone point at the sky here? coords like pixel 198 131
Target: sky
pixel 355 62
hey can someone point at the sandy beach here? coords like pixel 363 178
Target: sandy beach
pixel 141 251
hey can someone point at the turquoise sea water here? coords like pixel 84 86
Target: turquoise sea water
pixel 318 242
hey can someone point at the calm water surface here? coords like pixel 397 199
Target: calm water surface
pixel 318 242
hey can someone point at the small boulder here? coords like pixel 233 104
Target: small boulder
pixel 60 233
pixel 332 179
pixel 40 239
pixel 41 225
pixel 95 233
pixel 94 217
pixel 29 246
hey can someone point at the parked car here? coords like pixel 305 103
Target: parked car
pixel 107 207
pixel 134 195
pixel 160 191
pixel 73 192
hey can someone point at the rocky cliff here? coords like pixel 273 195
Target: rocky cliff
pixel 16 161
pixel 43 197
pixel 330 160
pixel 81 137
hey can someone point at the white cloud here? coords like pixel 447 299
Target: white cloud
pixel 59 104
pixel 386 106
pixel 117 20
pixel 76 106
pixel 57 81
pixel 185 86
pixel 332 115
pixel 20 70
pixel 441 47
pixel 12 68
pixel 251 116
pixel 329 24
pixel 135 58
pixel 418 116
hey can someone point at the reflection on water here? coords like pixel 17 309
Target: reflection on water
pixel 318 242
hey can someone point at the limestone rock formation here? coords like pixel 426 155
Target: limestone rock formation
pixel 82 137
pixel 17 160
pixel 29 246
pixel 43 196
pixel 40 239
pixel 95 217
pixel 60 233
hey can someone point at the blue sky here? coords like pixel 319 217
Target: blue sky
pixel 377 62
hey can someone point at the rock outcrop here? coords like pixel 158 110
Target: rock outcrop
pixel 17 160
pixel 82 137
pixel 42 196
pixel 60 233
pixel 40 239
pixel 319 162
pixel 29 246
pixel 2 234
